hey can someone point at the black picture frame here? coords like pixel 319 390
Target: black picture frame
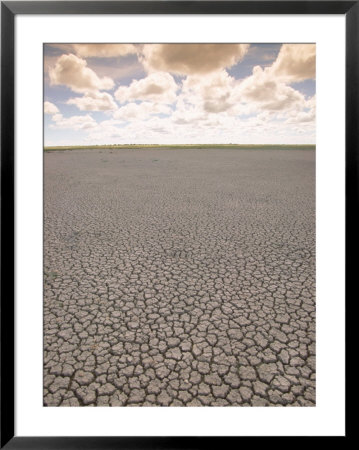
pixel 9 9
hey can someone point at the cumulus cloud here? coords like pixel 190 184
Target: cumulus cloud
pixel 207 129
pixel 158 87
pixel 73 122
pixel 73 72
pixel 50 108
pixel 108 131
pixel 204 104
pixel 103 50
pixel 295 62
pixel 311 102
pixel 191 59
pixel 94 101
pixel 211 91
pixel 267 93
pixel 142 111
pixel 302 117
pixel 306 115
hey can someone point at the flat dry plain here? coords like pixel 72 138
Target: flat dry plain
pixel 179 277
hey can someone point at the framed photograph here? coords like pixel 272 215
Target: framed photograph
pixel 177 237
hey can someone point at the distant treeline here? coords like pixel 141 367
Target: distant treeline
pixel 183 146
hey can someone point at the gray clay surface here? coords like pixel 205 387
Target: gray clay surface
pixel 179 277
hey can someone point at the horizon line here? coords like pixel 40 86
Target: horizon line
pixel 172 145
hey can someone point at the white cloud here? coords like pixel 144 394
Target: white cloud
pixel 311 102
pixel 73 72
pixel 94 101
pixel 103 50
pixel 190 59
pixel 305 116
pixel 142 111
pixel 295 62
pixel 151 131
pixel 212 91
pixel 50 108
pixel 108 131
pixel 206 105
pixel 262 91
pixel 74 122
pixel 157 87
pixel 302 117
pixel 209 130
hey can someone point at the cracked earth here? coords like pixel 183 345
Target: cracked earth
pixel 179 278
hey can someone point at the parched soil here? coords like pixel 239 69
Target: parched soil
pixel 179 277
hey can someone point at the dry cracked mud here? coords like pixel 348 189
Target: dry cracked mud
pixel 179 278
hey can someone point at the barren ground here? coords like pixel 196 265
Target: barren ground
pixel 179 277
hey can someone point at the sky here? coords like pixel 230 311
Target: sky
pixel 97 94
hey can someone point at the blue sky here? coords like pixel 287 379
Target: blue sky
pixel 179 93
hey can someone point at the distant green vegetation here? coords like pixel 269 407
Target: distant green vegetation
pixel 183 146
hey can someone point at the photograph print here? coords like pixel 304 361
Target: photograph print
pixel 179 225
